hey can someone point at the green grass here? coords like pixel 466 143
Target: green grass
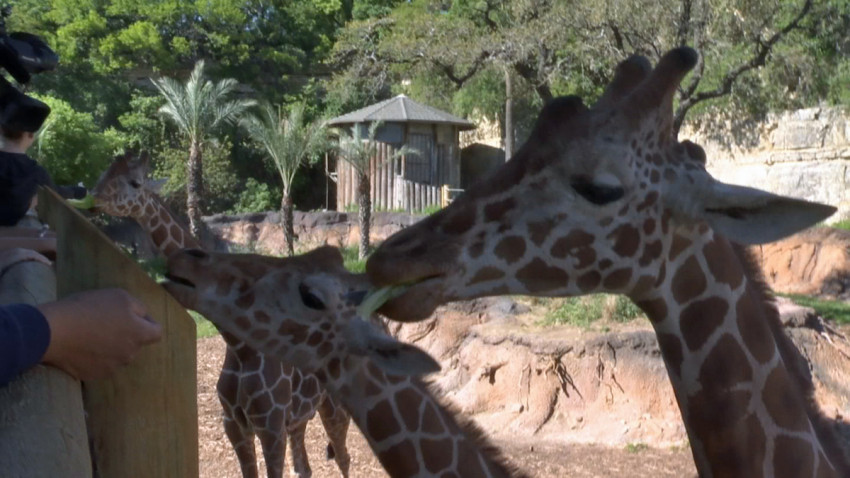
pixel 828 309
pixel 636 447
pixel 845 224
pixel 204 328
pixel 583 311
pixel 351 259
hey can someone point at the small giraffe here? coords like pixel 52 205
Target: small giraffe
pixel 259 396
pixel 605 199
pixel 302 310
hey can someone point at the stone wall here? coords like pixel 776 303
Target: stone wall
pixel 263 232
pixel 803 153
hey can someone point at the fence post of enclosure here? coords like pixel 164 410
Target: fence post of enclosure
pixel 42 422
pixel 143 420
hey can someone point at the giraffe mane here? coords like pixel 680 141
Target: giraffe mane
pixel 825 427
pixel 477 435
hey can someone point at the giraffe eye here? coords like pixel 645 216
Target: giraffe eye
pixel 599 194
pixel 309 299
pixel 135 184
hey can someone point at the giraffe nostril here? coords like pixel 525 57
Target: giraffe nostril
pixel 197 253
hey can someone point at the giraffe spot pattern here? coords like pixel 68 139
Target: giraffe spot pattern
pixel 671 349
pixel 432 423
pixel 538 231
pixel 245 301
pixel 400 460
pixel 754 330
pixel 689 281
pixel 510 249
pixel 260 334
pixel 723 271
pixel 726 365
pixel 315 338
pixel 700 319
pixel 297 332
pixel 436 454
pixel 626 240
pixel 468 463
pixel 538 276
pixel 262 317
pixel 589 281
pixel 617 279
pixel 574 241
pixel 651 252
pixel 159 235
pixel 334 368
pixel 782 402
pixel 380 421
pixel 792 457
pixel 649 226
pixel 496 211
pixel 412 401
pixel 460 221
pixel 734 443
pixel 486 274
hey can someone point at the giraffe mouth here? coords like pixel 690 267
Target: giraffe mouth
pixel 414 301
pixel 172 279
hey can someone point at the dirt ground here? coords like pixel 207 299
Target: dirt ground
pixel 536 457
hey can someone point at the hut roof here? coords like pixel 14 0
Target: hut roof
pixel 401 109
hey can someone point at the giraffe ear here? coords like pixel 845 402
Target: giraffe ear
pixel 155 185
pixel 752 216
pixel 390 355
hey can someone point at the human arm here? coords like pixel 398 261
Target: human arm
pixel 89 335
pixel 94 333
pixel 24 337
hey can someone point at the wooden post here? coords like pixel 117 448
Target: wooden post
pixel 42 423
pixel 144 420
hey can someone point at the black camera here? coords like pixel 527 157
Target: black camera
pixel 22 55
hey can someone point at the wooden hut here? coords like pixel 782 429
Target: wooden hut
pixel 411 182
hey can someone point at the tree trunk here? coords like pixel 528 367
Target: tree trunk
pixel 509 116
pixel 364 201
pixel 194 189
pixel 288 226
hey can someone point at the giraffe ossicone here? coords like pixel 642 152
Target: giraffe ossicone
pixel 304 310
pixel 606 199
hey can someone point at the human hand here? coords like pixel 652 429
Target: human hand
pixel 93 333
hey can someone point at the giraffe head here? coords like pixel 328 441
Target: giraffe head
pixel 302 309
pixel 592 202
pixel 123 188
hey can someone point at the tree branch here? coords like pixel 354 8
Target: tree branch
pixel 762 49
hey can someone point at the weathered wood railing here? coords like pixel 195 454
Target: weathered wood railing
pixel 143 421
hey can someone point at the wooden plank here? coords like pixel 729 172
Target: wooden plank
pixel 144 420
pixel 42 422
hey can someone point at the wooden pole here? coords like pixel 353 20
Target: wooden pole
pixel 42 422
pixel 143 421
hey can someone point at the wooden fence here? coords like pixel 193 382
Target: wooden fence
pixel 142 421
pixel 42 421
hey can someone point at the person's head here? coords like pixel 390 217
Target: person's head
pixel 16 139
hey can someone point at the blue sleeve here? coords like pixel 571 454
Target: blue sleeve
pixel 24 336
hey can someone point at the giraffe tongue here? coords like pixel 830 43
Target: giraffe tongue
pixel 84 203
pixel 378 297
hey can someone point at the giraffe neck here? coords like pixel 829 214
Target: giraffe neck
pixel 740 384
pixel 410 431
pixel 165 230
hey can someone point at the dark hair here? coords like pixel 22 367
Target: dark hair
pixel 11 134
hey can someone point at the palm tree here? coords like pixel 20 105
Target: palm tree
pixel 291 142
pixel 358 152
pixel 198 108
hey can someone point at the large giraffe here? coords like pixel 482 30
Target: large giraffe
pixel 260 397
pixel 302 310
pixel 605 199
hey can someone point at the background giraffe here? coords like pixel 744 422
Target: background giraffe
pixel 259 396
pixel 302 310
pixel 605 199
